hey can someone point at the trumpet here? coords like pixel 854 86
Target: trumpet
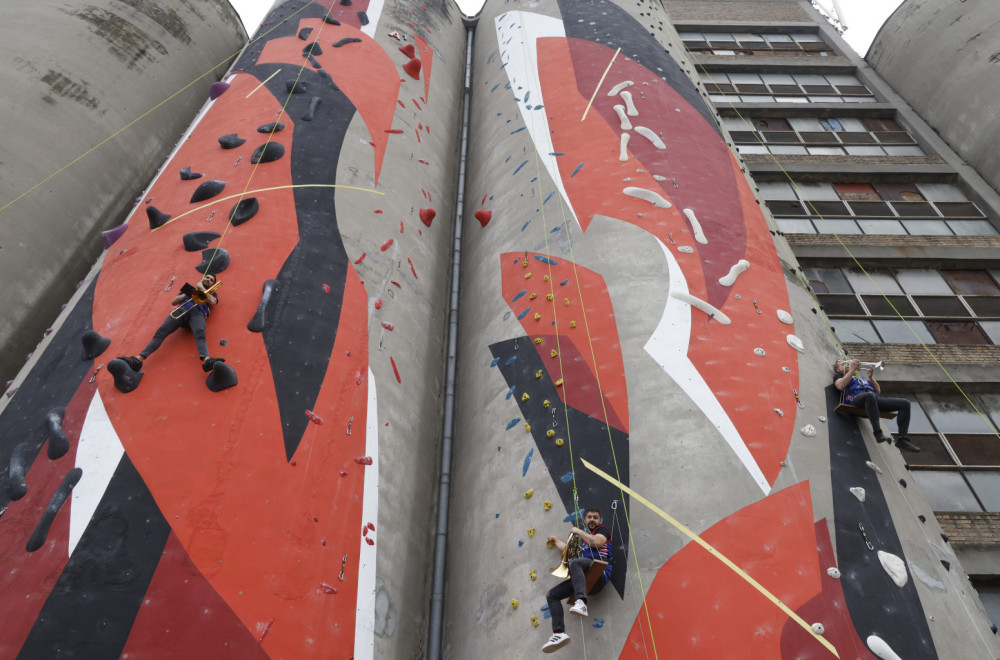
pixel 197 296
pixel 872 366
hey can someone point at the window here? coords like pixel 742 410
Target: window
pixel 909 305
pixel 831 136
pixel 743 44
pixel 794 88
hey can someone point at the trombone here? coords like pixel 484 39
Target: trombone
pixel 197 296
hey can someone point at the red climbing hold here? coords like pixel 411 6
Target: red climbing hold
pixel 219 88
pixel 370 527
pixel 394 130
pixel 378 304
pixel 427 215
pixel 395 370
pixel 484 217
pixel 412 269
pixel 264 629
pixel 398 285
pixel 369 541
pixel 388 326
pixel 412 68
pixel 361 258
pixel 408 50
pixel 400 226
pixel 314 418
pixel 363 460
pixel 326 288
pixel 327 589
pixel 385 246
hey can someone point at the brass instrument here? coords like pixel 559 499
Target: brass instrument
pixel 872 366
pixel 197 296
pixel 573 549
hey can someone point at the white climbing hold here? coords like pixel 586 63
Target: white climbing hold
pixel 873 466
pixel 833 572
pixel 880 648
pixel 619 87
pixel 647 196
pixel 818 628
pixel 699 235
pixel 784 317
pixel 703 306
pixel 629 105
pixel 625 122
pixel 760 351
pixel 822 419
pixel 780 412
pixel 651 136
pixel 686 249
pixel 786 370
pixel 623 148
pixel 808 430
pixel 659 178
pixel 795 343
pixel 859 493
pixel 895 567
pixel 730 278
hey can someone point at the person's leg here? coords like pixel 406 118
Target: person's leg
pixel 578 575
pixel 902 406
pixel 869 401
pixel 169 325
pixel 554 598
pixel 197 324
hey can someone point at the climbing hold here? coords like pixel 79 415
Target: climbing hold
pixel 188 175
pixel 268 152
pixel 538 374
pixel 760 352
pixel 894 566
pixel 221 377
pixel 37 539
pixel 525 397
pixel 20 462
pixel 312 49
pixel 527 427
pixel 539 340
pixel 572 324
pixel 795 343
pixel 213 261
pixel 126 380
pixel 528 493
pixel 347 40
pixel 531 533
pixel 821 418
pixel 559 383
pixel 546 404
pixel 547 505
pixel 549 433
pixel 412 68
pixel 93 344
pixel 647 196
pixel 859 493
pixel 157 218
pixel 378 304
pixel 207 190
pixel 833 572
pixel 363 460
pixel 559 442
pixel 514 603
pixel 385 246
pixel 330 20
pixel 779 412
pixel 273 127
pixel 873 466
pixel 902 482
pixel 198 240
pixel 550 543
pixel 545 278
pixel 408 50
pixel 259 319
pixel 538 316
pixel 314 418
pixel 217 89
pixel 311 110
pixel 818 628
pixel 879 647
pixel 534 619
pixel 553 353
pixel 244 210
pixel 484 217
pixel 527 276
pixel 109 236
pixel 296 87
pixel 946 564
pixel 730 278
pixel 327 589
pixel 548 296
pixel 808 430
pixel 58 442
pixel 426 216
pixel 784 317
pixel 231 141
pixel 532 296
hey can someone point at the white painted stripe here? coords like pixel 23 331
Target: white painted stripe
pixel 374 13
pixel 98 453
pixel 364 618
pixel 669 344
pixel 519 54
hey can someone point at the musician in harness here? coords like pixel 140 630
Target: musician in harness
pixel 583 555
pixel 865 392
pixel 192 307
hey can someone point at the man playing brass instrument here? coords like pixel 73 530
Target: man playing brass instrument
pixel 595 545
pixel 191 312
pixel 865 392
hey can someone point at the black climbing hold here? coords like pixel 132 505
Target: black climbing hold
pixel 312 60
pixel 58 442
pixel 304 33
pixel 157 218
pixel 214 261
pixel 296 87
pixel 273 127
pixel 222 377
pixel 199 240
pixel 312 49
pixel 363 17
pixel 944 537
pixel 109 236
pixel 311 112
pixel 20 461
pixel 259 319
pixel 331 20
pixel 126 380
pixel 327 78
pixel 267 153
pixel 207 190
pixel 922 518
pixel 187 174
pixel 231 141
pixel 946 564
pixel 993 628
pixel 345 3
pixel 244 210
pixel 345 41
pixel 223 342
pixel 93 344
pixel 37 539
pixel 902 482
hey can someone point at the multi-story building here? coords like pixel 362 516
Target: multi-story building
pixel 895 233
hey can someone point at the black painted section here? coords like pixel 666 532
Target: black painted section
pixel 877 606
pixel 90 611
pixel 302 319
pixel 41 532
pixel 590 441
pixel 616 28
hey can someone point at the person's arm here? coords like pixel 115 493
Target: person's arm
pixel 211 299
pixel 178 299
pixel 874 383
pixel 559 544
pixel 842 382
pixel 593 540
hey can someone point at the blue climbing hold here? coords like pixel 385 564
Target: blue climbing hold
pixel 566 478
pixel 546 260
pixel 512 423
pixel 519 294
pixel 527 462
pixel 510 392
pixel 523 314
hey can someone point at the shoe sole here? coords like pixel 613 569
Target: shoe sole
pixel 555 647
pixel 578 613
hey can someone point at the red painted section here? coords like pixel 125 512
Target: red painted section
pixel 215 462
pixel 709 182
pixel 183 617
pixel 427 58
pixel 348 15
pixel 591 371
pixel 353 70
pixel 700 608
pixel 30 576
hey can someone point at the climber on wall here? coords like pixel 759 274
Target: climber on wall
pixel 585 548
pixel 864 392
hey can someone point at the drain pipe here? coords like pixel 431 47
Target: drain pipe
pixel 444 481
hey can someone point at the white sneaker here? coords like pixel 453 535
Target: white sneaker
pixel 579 608
pixel 556 642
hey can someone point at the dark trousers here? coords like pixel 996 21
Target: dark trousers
pixel 873 403
pixel 576 584
pixel 193 320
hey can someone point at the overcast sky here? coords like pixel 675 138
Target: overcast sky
pixel 863 17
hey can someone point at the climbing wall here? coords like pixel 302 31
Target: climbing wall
pixel 265 508
pixel 635 338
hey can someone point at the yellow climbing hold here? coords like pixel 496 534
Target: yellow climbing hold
pixel 566 301
pixel 539 340
pixel 538 317
pixel 533 575
pixel 549 433
pixel 550 543
pixel 559 383
pixel 524 264
pixel 525 397
pixel 546 403
pixel 553 353
pixel 528 493
pixel 514 603
pixel 527 276
pixel 527 427
pixel 546 278
pixel 538 374
pixel 534 619
pixel 548 505
pixel 548 296
pixel 532 296
pixel 572 324
pixel 559 442
pixel 531 533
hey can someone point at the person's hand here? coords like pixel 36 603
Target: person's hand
pixel 551 539
pixel 855 364
pixel 576 530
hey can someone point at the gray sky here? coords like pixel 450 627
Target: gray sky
pixel 863 17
